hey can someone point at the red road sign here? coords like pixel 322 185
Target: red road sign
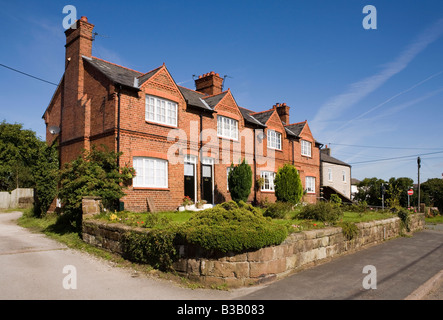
pixel 410 192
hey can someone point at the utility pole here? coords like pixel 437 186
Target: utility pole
pixel 418 168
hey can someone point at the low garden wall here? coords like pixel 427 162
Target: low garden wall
pixel 298 251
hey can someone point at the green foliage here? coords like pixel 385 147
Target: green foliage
pixel 94 173
pixel 369 190
pixel 231 228
pixel 432 193
pixel 240 181
pixel 46 174
pixel 350 229
pixel 288 186
pixel 335 199
pixel 405 218
pixel 321 211
pixel 278 210
pixel 155 247
pixel 19 149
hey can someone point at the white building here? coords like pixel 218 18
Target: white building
pixel 335 174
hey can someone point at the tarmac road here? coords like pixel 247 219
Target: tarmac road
pixel 32 266
pixel 403 267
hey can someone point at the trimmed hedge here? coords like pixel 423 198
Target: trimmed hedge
pixel 232 228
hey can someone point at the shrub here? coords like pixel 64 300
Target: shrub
pixel 155 247
pixel 350 229
pixel 94 173
pixel 288 186
pixel 335 199
pixel 405 218
pixel 230 228
pixel 278 210
pixel 240 181
pixel 322 211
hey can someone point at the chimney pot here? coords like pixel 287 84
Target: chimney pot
pixel 83 18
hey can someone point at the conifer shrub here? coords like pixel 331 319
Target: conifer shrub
pixel 288 186
pixel 240 181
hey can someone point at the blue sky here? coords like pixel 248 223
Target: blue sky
pixel 368 94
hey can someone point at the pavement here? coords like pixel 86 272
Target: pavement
pixel 36 267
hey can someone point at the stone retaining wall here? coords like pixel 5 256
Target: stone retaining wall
pixel 298 251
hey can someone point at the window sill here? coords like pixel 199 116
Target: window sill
pixel 161 124
pixel 150 188
pixel 267 191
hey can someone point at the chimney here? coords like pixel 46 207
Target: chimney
pixel 326 150
pixel 78 41
pixel 283 112
pixel 74 118
pixel 210 83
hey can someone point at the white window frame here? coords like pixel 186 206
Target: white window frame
pixel 161 111
pixel 150 172
pixel 329 174
pixel 274 140
pixel 268 183
pixel 227 128
pixel 310 184
pixel 344 175
pixel 306 147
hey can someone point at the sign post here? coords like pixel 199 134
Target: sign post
pixel 410 193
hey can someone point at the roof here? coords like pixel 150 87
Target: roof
pixel 263 116
pixel 195 98
pixel 295 129
pixel 213 100
pixel 116 73
pixel 327 158
pixel 134 79
pixel 249 118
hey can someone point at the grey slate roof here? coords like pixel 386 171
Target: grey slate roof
pixel 115 73
pixel 327 158
pixel 247 115
pixel 195 98
pixel 295 129
pixel 212 101
pixel 263 116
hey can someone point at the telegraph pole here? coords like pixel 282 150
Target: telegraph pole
pixel 418 168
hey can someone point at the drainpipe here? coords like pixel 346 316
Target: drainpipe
pixel 118 124
pixel 255 171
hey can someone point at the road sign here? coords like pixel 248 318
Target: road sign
pixel 410 192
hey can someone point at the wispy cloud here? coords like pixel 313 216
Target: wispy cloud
pixel 334 108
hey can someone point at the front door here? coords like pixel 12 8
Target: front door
pixel 190 180
pixel 207 183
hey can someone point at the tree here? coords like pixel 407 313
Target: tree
pixel 46 174
pixel 433 193
pixel 398 189
pixel 18 153
pixel 287 184
pixel 369 190
pixel 240 181
pixel 93 173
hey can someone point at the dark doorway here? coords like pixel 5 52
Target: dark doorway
pixel 207 183
pixel 190 181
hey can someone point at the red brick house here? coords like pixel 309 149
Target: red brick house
pixel 181 141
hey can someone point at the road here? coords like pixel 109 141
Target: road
pixel 32 266
pixel 401 267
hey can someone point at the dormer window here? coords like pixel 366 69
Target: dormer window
pixel 227 128
pixel 161 111
pixel 274 139
pixel 305 148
